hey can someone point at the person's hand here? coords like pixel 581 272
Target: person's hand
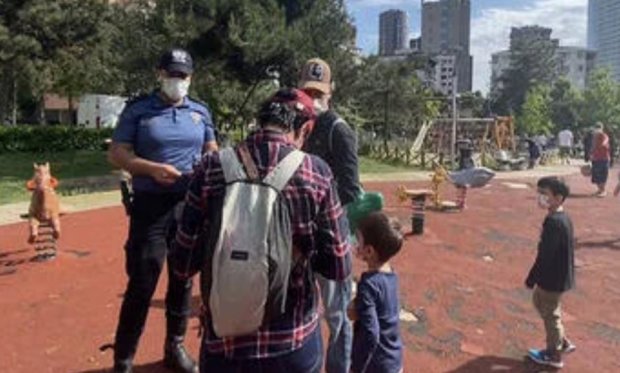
pixel 165 174
pixel 351 313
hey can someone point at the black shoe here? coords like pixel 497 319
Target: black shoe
pixel 177 358
pixel 122 366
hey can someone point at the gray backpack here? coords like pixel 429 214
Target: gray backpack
pixel 251 261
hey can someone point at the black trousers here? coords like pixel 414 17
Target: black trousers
pixel 150 231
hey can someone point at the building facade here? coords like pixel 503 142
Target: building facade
pixel 604 33
pixel 573 63
pixel 446 31
pixel 393 32
pixel 443 78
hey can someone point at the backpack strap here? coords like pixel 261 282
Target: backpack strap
pixel 233 170
pixel 284 170
pixel 250 167
pixel 330 136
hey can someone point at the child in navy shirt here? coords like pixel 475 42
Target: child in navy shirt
pixel 377 346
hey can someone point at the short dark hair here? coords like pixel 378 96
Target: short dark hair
pixel 557 186
pixel 382 233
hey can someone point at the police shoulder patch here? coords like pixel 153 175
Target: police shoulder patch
pixel 196 117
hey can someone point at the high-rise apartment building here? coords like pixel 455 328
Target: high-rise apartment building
pixel 572 63
pixel 393 32
pixel 446 30
pixel 604 33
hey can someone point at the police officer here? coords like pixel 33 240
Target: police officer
pixel 158 139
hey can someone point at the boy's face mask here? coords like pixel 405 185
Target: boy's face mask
pixel 543 201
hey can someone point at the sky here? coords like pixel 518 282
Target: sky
pixel 490 25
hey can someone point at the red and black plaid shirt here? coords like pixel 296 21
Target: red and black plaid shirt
pixel 320 232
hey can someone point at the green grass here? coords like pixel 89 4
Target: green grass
pixel 16 169
pixel 373 166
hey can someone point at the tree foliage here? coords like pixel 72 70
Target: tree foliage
pixel 602 100
pixel 566 105
pixel 71 47
pixel 535 115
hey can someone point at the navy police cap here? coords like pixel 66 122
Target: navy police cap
pixel 176 61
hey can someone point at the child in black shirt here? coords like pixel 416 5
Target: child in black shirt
pixel 553 272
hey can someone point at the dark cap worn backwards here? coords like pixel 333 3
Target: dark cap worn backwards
pixel 176 61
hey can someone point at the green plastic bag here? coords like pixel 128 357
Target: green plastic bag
pixel 365 204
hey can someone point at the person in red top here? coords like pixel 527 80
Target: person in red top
pixel 600 157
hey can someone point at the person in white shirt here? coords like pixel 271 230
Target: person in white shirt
pixel 565 141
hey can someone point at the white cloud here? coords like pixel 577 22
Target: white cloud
pixel 491 30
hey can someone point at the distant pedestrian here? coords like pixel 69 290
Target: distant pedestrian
pixel 600 156
pixel 553 272
pixel 377 345
pixel 566 143
pixel 534 151
pixel 542 141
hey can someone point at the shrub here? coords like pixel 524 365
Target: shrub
pixel 25 138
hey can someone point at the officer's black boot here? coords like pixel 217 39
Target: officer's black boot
pixel 177 358
pixel 123 366
pixel 124 351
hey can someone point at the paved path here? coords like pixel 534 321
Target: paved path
pixel 10 213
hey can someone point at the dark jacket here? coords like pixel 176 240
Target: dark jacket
pixel 612 148
pixel 336 143
pixel 587 146
pixel 554 269
pixel 533 148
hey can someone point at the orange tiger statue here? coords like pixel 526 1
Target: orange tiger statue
pixel 44 204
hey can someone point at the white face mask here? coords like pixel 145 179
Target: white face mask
pixel 175 88
pixel 320 106
pixel 543 201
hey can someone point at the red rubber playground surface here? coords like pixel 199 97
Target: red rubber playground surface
pixel 462 279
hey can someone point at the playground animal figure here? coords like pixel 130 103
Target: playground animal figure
pixel 439 176
pixel 44 203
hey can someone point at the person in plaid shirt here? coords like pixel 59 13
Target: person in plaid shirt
pixel 291 343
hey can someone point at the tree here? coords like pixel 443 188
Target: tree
pixel 602 100
pixel 235 42
pixel 392 99
pixel 532 63
pixel 566 104
pixel 55 46
pixel 535 116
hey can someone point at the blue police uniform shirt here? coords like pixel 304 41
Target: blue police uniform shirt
pixel 163 133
